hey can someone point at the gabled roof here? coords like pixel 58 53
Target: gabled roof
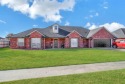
pixel 120 33
pixel 94 31
pixel 63 31
pixel 25 33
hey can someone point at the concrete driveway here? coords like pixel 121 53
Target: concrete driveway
pixel 11 75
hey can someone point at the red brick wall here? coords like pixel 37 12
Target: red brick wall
pixel 42 46
pixel 48 42
pixel 35 34
pixel 13 43
pixel 61 41
pixel 67 42
pixel 81 42
pixel 27 43
pixel 103 33
pixel 85 43
pixel 74 35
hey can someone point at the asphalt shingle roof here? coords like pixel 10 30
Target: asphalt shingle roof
pixel 63 31
pixel 120 33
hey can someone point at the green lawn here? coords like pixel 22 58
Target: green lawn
pixel 20 59
pixel 106 77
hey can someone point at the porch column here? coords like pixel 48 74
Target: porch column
pixel 92 43
pixel 111 43
pixel 58 43
pixel 89 43
pixel 53 43
pixel 44 43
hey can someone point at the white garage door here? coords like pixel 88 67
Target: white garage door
pixel 74 42
pixel 35 42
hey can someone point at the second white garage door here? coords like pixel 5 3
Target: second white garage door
pixel 35 42
pixel 74 42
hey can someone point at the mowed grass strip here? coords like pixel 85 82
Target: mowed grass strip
pixel 106 77
pixel 23 59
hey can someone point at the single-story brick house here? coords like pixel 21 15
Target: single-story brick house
pixel 57 36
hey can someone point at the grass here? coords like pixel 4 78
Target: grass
pixel 21 59
pixel 106 77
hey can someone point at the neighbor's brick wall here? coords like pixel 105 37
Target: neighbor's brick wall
pixel 13 43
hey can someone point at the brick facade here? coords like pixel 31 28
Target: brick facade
pixel 35 34
pixel 73 34
pixel 49 42
pixel 103 33
pixel 27 42
pixel 13 43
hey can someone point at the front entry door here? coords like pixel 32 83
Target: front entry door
pixel 35 43
pixel 74 42
pixel 55 43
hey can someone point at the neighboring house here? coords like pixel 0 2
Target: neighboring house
pixel 120 33
pixel 56 36
pixel 4 42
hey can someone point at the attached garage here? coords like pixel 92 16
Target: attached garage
pixel 102 42
pixel 74 42
pixel 36 43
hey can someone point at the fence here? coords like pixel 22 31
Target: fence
pixel 4 43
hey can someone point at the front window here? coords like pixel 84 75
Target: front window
pixel 20 41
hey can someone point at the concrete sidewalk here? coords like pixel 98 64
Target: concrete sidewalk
pixel 11 75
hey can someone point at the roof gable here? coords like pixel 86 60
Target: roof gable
pixel 33 32
pixel 95 31
pixel 92 32
pixel 73 32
